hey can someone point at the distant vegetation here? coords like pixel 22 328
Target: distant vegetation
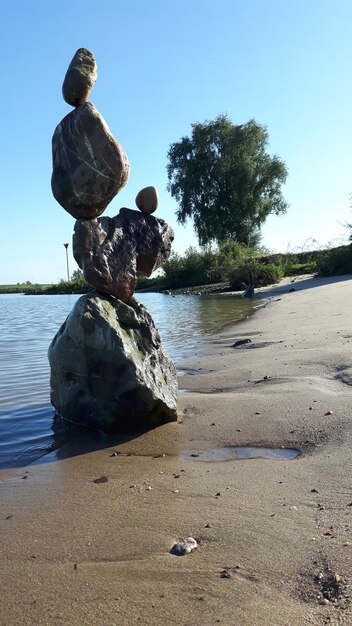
pixel 335 262
pixel 77 284
pixel 21 287
pixel 231 264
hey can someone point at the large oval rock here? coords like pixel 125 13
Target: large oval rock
pixel 108 367
pixel 113 251
pixel 89 166
pixel 80 78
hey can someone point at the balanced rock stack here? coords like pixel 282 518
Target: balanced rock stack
pixel 108 367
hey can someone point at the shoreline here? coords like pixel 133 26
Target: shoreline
pixel 79 551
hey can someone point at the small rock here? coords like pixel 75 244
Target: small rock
pixel 208 525
pixel 257 413
pixel 325 601
pixel 314 490
pixel 225 574
pixel 147 200
pixel 328 413
pixel 217 494
pixel 241 342
pixel 114 453
pixel 266 377
pixel 184 546
pixel 149 488
pixel 102 479
pixel 175 491
pixel 293 508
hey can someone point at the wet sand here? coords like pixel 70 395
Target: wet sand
pixel 274 536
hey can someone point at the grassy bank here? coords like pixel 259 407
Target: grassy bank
pixel 63 287
pixel 237 265
pixel 23 287
pixel 232 265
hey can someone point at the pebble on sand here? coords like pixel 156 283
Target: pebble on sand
pixel 101 479
pixel 184 546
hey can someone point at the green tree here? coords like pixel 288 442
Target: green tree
pixel 77 275
pixel 223 177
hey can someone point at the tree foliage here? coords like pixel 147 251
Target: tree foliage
pixel 223 178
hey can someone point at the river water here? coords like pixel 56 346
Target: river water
pixel 27 326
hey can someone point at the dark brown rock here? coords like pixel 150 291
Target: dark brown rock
pixel 89 166
pixel 147 200
pixel 108 367
pixel 112 252
pixel 80 78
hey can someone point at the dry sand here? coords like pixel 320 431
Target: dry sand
pixel 276 539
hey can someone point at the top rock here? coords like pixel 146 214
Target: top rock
pixel 80 78
pixel 147 200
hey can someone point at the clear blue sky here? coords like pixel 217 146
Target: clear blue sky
pixel 161 66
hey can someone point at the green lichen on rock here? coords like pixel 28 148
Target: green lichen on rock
pixel 109 369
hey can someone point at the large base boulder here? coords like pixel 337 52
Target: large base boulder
pixel 108 367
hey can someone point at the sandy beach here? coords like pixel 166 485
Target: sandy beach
pixel 87 539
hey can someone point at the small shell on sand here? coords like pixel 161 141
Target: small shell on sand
pixel 184 546
pixel 147 200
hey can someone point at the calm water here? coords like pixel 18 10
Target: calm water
pixel 27 326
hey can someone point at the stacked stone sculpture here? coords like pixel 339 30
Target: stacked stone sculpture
pixel 108 367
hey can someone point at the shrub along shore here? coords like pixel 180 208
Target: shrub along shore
pixel 232 267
